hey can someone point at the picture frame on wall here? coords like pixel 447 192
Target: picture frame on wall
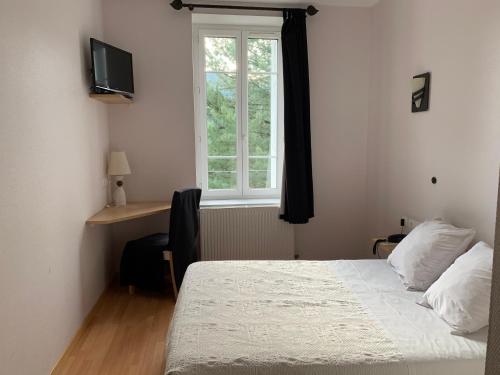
pixel 421 85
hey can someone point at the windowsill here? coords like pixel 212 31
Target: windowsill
pixel 253 202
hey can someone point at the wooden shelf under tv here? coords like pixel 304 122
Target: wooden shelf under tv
pixel 112 98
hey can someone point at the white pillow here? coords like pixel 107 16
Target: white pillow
pixel 461 296
pixel 428 251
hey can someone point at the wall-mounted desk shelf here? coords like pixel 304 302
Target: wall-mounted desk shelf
pixel 110 215
pixel 112 98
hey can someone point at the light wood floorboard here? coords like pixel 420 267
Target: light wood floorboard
pixel 124 334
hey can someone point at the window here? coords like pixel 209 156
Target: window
pixel 238 89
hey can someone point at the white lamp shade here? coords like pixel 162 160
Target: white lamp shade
pixel 118 164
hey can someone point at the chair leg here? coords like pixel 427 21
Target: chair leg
pixel 168 256
pixel 172 275
pixel 131 289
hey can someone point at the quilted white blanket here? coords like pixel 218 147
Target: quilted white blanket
pixel 277 317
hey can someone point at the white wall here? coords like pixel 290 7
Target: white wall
pixel 458 140
pixel 339 62
pixel 157 131
pixel 53 144
pixel 372 159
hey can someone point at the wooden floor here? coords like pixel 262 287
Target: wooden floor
pixel 124 334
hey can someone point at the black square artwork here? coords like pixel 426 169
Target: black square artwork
pixel 421 87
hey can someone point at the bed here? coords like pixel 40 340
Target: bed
pixel 310 318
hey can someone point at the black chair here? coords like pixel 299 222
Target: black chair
pixel 142 259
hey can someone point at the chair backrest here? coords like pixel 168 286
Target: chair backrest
pixel 184 228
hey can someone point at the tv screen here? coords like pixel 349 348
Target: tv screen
pixel 111 69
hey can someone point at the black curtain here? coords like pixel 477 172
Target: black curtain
pixel 297 201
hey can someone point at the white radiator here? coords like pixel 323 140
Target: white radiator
pixel 245 233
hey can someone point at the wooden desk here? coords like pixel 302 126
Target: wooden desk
pixel 110 215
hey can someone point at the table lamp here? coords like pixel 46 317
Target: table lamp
pixel 118 167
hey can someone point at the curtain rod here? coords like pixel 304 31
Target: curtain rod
pixel 178 5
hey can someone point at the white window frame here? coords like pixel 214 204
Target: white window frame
pixel 241 33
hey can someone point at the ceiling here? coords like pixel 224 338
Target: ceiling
pixel 354 3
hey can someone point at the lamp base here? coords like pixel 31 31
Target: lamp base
pixel 119 196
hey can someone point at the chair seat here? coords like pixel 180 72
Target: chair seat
pixel 142 262
pixel 143 259
pixel 157 239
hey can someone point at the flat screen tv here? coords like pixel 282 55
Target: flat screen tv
pixel 111 69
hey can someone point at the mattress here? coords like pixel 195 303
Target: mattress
pixel 317 318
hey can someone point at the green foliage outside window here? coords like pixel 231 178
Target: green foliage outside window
pixel 221 93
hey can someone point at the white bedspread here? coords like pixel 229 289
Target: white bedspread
pixel 420 335
pixel 318 318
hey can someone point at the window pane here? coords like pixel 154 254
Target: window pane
pixel 262 114
pixel 221 180
pixel 262 55
pixel 221 100
pixel 221 114
pixel 220 54
pixel 262 173
pixel 222 173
